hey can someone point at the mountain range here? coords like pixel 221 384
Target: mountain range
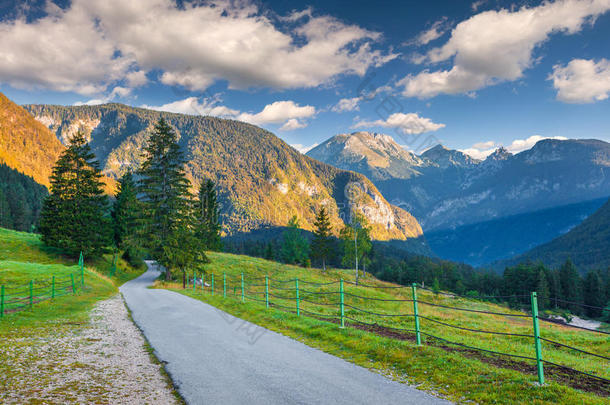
pixel 450 192
pixel 262 181
pixel 587 245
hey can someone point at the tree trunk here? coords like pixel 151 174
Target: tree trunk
pixel 324 264
pixel 183 279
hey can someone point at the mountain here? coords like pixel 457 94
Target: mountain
pixel 447 188
pixel 28 146
pixel 25 144
pixel 262 181
pixel 377 156
pixel 587 245
pixel 486 242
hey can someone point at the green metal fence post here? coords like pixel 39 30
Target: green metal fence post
pixel 224 285
pixel 1 301
pixel 31 293
pixel 297 296
pixel 81 263
pixel 194 280
pixel 415 312
pixel 212 283
pixel 342 305
pixel 202 281
pixel 53 287
pixel 267 291
pixel 243 298
pixel 73 289
pixel 539 365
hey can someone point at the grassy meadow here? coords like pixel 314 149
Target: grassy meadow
pixel 376 341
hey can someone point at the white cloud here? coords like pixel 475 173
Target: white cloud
pixel 477 4
pixel 292 124
pixel 280 112
pixel 192 106
pixel 582 81
pixel 302 148
pixel 483 149
pixel 410 123
pixel 117 92
pixel 437 30
pixel 496 46
pixel 94 44
pixel 347 104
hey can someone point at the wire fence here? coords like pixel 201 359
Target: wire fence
pixel 15 298
pixel 324 301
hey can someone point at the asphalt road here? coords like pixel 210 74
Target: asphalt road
pixel 215 358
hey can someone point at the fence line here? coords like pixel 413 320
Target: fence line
pixel 296 295
pixel 24 296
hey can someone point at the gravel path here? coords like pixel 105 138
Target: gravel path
pixel 215 358
pixel 103 362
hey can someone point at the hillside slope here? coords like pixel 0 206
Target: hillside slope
pixel 486 242
pixel 262 180
pixel 28 146
pixel 25 144
pixel 587 245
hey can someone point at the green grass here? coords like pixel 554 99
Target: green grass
pixel 23 257
pixel 460 375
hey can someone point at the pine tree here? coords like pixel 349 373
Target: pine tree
pixel 207 214
pixel 168 209
pixel 125 212
pixel 542 288
pixel 74 216
pixel 322 245
pixel 569 280
pixel 594 295
pixel 295 248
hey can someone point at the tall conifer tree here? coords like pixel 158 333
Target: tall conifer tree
pixel 168 217
pixel 125 212
pixel 322 243
pixel 207 216
pixel 74 217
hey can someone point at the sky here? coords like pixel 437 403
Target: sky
pixel 470 75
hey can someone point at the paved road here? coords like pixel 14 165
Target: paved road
pixel 215 358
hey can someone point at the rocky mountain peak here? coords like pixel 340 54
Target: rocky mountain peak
pixel 444 157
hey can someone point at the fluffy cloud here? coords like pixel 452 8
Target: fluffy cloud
pixel 347 104
pixel 410 123
pixel 192 106
pixel 582 81
pixel 496 46
pixel 287 112
pixel 95 43
pixel 436 31
pixel 117 92
pixel 483 149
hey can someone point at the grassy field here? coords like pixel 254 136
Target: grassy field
pixel 451 370
pixel 23 257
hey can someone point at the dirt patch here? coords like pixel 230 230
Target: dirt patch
pixel 562 375
pixel 103 361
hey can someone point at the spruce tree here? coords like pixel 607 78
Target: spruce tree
pixel 125 212
pixel 594 295
pixel 167 206
pixel 207 214
pixel 542 287
pixel 295 248
pixel 322 244
pixel 74 216
pixel 570 283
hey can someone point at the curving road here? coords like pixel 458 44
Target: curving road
pixel 215 358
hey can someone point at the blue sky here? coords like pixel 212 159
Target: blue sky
pixel 471 75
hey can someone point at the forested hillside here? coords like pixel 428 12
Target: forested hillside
pixel 586 245
pixel 261 180
pixel 20 200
